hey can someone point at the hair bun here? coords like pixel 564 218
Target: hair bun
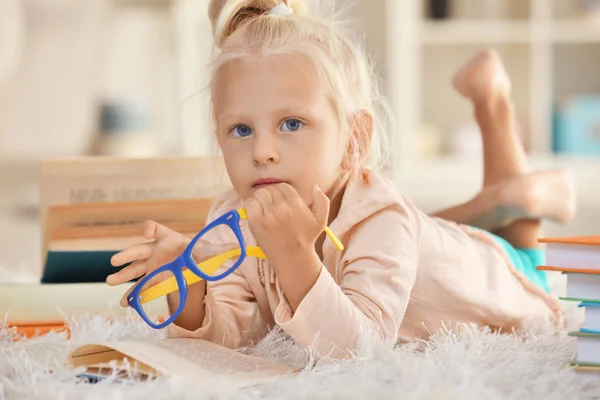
pixel 227 15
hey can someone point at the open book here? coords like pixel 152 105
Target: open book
pixel 195 360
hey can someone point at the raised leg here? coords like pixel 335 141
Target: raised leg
pixel 537 195
pixel 512 198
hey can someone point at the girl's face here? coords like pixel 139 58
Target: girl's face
pixel 276 124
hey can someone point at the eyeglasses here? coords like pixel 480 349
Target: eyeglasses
pixel 184 270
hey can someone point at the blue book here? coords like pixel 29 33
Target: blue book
pixel 78 266
pixel 591 317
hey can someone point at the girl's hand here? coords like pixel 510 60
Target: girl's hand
pixel 166 246
pixel 283 225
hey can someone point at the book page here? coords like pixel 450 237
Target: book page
pixel 45 353
pixel 217 359
pixel 99 357
pixel 197 360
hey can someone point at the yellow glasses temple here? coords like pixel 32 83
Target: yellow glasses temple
pixel 336 241
pixel 209 267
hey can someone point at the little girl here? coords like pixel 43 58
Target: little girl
pixel 298 124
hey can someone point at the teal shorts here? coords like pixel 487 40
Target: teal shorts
pixel 526 261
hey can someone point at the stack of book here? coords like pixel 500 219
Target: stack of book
pixel 91 208
pixel 579 259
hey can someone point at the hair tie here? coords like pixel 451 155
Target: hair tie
pixel 282 9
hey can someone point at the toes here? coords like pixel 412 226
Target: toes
pixel 482 77
pixel 552 196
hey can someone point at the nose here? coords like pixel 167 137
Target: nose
pixel 264 148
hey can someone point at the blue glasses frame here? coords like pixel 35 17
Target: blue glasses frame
pixel 185 260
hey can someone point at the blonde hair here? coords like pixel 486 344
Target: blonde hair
pixel 244 28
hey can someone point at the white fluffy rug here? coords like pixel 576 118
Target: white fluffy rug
pixel 471 364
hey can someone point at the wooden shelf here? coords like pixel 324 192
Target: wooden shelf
pixel 469 31
pixel 467 172
pixel 576 31
pixel 455 32
pixel 589 165
pixel 447 181
pixel 145 3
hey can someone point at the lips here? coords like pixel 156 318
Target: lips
pixel 267 182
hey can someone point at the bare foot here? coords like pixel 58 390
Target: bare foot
pixel 537 195
pixel 483 77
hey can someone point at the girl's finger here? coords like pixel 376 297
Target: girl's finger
pixel 253 209
pixel 139 251
pixel 288 192
pixel 173 243
pixel 166 251
pixel 135 270
pixel 264 199
pixel 124 302
pixel 151 282
pixel 276 195
pixel 291 195
pixel 320 206
pixel 156 231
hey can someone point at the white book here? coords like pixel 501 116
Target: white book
pixel 40 303
pixel 583 286
pixel 588 346
pixel 573 253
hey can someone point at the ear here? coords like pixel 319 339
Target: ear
pixel 363 131
pixel 362 126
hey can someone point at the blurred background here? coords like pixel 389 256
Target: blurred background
pixel 127 78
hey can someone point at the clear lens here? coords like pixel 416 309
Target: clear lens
pixel 216 259
pixel 152 299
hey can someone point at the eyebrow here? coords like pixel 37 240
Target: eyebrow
pixel 287 110
pixel 291 110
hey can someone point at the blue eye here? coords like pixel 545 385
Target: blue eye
pixel 241 131
pixel 291 125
